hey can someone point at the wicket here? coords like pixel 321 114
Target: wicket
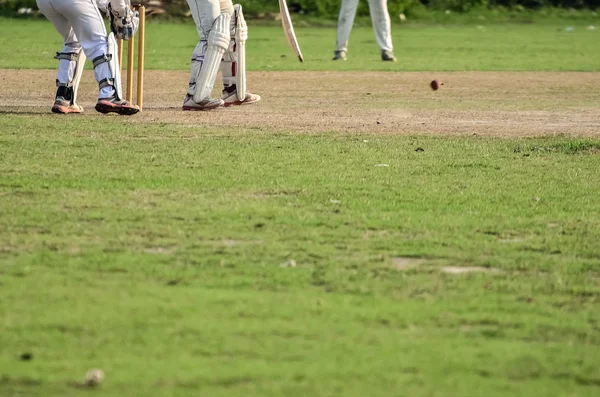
pixel 140 60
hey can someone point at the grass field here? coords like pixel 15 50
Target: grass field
pixel 310 245
pixel 547 47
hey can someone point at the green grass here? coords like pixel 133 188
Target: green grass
pixel 162 253
pixel 544 46
pixel 154 253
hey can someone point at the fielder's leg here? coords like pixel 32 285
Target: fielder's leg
pixel 382 27
pixel 345 22
pixel 233 65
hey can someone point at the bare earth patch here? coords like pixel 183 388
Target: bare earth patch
pixel 469 269
pixel 406 262
pixel 505 104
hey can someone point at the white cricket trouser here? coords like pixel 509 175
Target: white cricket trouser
pixel 381 23
pixel 81 26
pixel 205 12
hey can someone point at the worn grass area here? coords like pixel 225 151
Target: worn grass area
pixel 165 255
pixel 543 46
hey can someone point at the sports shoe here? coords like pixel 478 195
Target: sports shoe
pixel 339 56
pixel 231 99
pixel 387 55
pixel 64 106
pixel 114 105
pixel 205 104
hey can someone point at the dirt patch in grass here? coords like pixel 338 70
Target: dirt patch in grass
pixel 505 104
pixel 406 263
pixel 469 269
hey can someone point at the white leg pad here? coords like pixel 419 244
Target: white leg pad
pixel 77 75
pixel 197 59
pixel 113 62
pixel 218 41
pixel 241 35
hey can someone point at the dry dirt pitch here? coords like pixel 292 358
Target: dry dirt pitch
pixel 506 104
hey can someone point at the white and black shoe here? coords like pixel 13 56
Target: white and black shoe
pixel 64 106
pixel 339 56
pixel 63 103
pixel 387 56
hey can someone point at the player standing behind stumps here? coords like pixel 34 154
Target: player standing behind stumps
pixel 223 33
pixel 381 26
pixel 81 25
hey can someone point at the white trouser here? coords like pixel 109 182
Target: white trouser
pixel 205 12
pixel 381 23
pixel 81 26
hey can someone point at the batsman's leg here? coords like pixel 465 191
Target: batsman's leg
pixel 217 43
pixel 213 29
pixel 233 66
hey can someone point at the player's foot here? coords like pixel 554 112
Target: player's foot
pixel 230 98
pixel 339 56
pixel 114 105
pixel 388 56
pixel 205 104
pixel 64 106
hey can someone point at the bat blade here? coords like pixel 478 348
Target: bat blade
pixel 288 29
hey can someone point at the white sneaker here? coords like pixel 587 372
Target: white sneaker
pixel 63 106
pixel 231 99
pixel 206 104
